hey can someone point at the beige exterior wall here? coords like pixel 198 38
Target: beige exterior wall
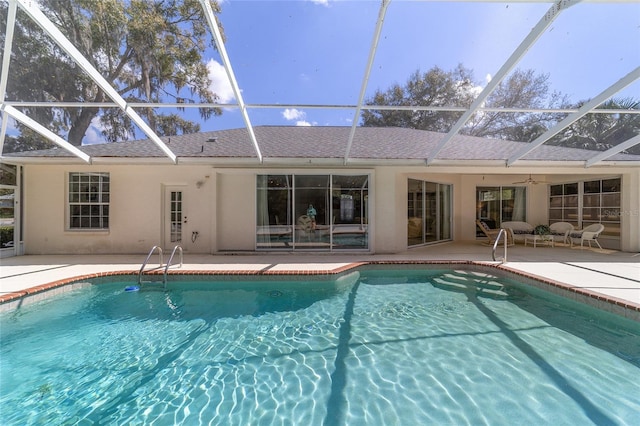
pixel 220 205
pixel 136 209
pixel 236 211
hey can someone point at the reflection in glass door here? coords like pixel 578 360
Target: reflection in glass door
pixel 274 216
pixel 7 219
pixel 350 212
pixel 428 212
pixel 497 204
pixel 10 234
pixel 312 212
pixel 174 217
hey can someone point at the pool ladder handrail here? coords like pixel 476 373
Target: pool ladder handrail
pixel 166 268
pixel 161 264
pixel 503 232
pixel 144 264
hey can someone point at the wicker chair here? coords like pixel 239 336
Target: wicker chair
pixel 492 234
pixel 561 231
pixel 588 234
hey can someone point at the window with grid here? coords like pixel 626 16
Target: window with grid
pixel 601 204
pixel 89 201
pixel 563 204
pixel 585 203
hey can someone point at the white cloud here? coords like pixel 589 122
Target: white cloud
pixel 321 2
pixel 300 117
pixel 94 135
pixel 293 114
pixel 220 84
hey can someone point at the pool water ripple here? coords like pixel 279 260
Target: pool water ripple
pixel 449 348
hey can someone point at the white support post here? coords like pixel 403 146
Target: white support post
pixel 6 60
pixel 584 110
pixel 546 20
pixel 613 151
pixel 367 73
pixel 31 123
pixel 217 36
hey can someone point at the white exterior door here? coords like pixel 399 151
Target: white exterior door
pixel 175 218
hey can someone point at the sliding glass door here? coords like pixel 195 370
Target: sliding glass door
pixel 497 204
pixel 428 212
pixel 312 212
pixel 311 202
pixel 10 236
pixel 350 212
pixel 274 212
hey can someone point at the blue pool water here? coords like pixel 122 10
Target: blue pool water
pixel 370 348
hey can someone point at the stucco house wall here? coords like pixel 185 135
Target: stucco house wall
pixel 216 174
pixel 136 209
pixel 220 205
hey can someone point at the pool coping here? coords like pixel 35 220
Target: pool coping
pixel 617 306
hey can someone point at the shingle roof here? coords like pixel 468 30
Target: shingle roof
pixel 319 142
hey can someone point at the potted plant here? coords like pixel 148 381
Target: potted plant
pixel 542 230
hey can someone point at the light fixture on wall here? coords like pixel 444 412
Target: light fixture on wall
pixel 201 182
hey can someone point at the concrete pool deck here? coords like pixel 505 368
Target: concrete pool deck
pixel 606 276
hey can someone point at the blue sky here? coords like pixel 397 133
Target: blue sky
pixel 315 52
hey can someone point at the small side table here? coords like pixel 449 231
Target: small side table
pixel 539 239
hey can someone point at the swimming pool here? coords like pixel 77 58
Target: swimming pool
pixel 370 347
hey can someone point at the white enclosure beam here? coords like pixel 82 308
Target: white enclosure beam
pixel 367 73
pixel 6 54
pixel 31 8
pixel 110 104
pixel 34 125
pixel 6 59
pixel 217 36
pixel 612 151
pixel 584 110
pixel 515 57
pixel 4 123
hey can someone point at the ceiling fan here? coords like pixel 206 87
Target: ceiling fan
pixel 530 181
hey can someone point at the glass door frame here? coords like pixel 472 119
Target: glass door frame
pixel 15 185
pixel 168 219
pixel 427 213
pixel 324 211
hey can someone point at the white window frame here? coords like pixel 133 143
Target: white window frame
pixel 88 197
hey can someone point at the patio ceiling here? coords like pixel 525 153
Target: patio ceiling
pixel 543 25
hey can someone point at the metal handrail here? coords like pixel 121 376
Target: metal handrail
pixel 166 268
pixel 144 264
pixel 495 245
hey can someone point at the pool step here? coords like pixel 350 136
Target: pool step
pixel 463 284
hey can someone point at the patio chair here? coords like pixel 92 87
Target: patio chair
pixel 492 234
pixel 560 231
pixel 519 229
pixel 588 234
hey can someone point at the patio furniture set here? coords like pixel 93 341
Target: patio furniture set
pixel 544 235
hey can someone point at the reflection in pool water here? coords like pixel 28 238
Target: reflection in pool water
pixel 375 347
